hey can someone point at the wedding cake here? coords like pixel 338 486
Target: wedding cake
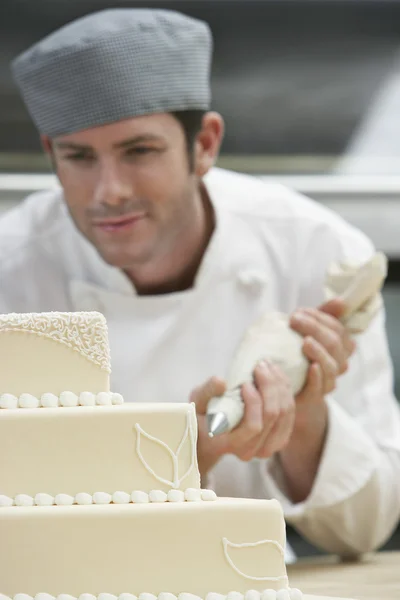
pixel 101 500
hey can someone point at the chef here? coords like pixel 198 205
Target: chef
pixel 181 257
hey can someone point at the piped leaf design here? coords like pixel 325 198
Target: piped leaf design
pixel 263 543
pixel 187 438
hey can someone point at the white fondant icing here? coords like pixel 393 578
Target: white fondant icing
pixel 22 597
pixel 8 401
pixel 252 595
pixel 66 597
pixel 121 498
pixel 44 596
pixel 28 401
pixel 208 495
pixel 147 596
pixel 176 496
pixel 157 496
pixel 68 399
pixel 117 398
pixel 23 500
pixel 295 594
pixel 215 596
pixel 6 501
pixel 188 434
pixel 102 498
pixel 83 499
pixel 64 500
pixel 188 596
pixel 192 495
pixel 227 544
pixel 87 399
pixel 44 500
pixel 268 595
pixel 49 401
pixel 127 596
pixel 84 332
pixel 107 597
pixel 139 497
pixel 235 596
pixel 87 597
pixel 103 399
pixel 282 595
pixel 166 596
pixel 3 597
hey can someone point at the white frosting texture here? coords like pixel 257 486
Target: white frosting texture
pixel 65 399
pixel 136 497
pixel 84 332
pixel 268 594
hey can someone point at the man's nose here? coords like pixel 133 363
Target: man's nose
pixel 111 187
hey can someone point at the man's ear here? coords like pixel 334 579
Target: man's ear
pixel 208 142
pixel 47 144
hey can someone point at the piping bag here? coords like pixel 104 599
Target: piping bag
pixel 271 338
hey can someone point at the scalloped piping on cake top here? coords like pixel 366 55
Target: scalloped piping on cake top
pixel 137 497
pixel 188 434
pixel 284 594
pixel 65 399
pixel 227 544
pixel 83 332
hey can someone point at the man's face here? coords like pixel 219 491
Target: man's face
pixel 128 186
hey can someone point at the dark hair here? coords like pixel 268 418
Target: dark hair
pixel 191 121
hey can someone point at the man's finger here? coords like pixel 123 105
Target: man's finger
pixel 334 324
pixel 335 307
pixel 307 326
pixel 201 395
pixel 330 369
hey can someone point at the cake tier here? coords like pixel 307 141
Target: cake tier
pixel 222 546
pixel 96 449
pixel 54 352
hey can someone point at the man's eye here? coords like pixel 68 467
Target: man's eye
pixel 139 150
pixel 80 157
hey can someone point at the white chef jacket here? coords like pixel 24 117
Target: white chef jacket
pixel 270 251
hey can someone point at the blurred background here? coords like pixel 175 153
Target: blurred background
pixel 310 91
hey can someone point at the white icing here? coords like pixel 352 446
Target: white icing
pixel 44 596
pixel 102 498
pixel 83 499
pixel 188 596
pixel 176 483
pixel 121 498
pixel 117 398
pixel 107 597
pixel 139 497
pixel 84 332
pixel 227 544
pixel 295 594
pixel 87 399
pixel 65 597
pixel 166 596
pixel 157 496
pixel 147 596
pixel 252 595
pixel 22 597
pixel 3 597
pixel 6 501
pixel 103 399
pixel 192 495
pixel 23 500
pixel 215 596
pixel 87 597
pixel 68 399
pixel 64 500
pixel 8 401
pixel 282 595
pixel 127 596
pixel 44 500
pixel 176 496
pixel 268 595
pixel 49 401
pixel 235 596
pixel 28 401
pixel 208 495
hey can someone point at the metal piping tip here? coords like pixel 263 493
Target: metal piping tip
pixel 217 424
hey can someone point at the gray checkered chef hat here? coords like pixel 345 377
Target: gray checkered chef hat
pixel 113 65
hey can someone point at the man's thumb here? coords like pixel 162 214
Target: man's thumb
pixel 201 395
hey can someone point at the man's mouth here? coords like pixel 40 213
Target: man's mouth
pixel 113 224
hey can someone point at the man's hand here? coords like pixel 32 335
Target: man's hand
pixel 267 423
pixel 328 346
